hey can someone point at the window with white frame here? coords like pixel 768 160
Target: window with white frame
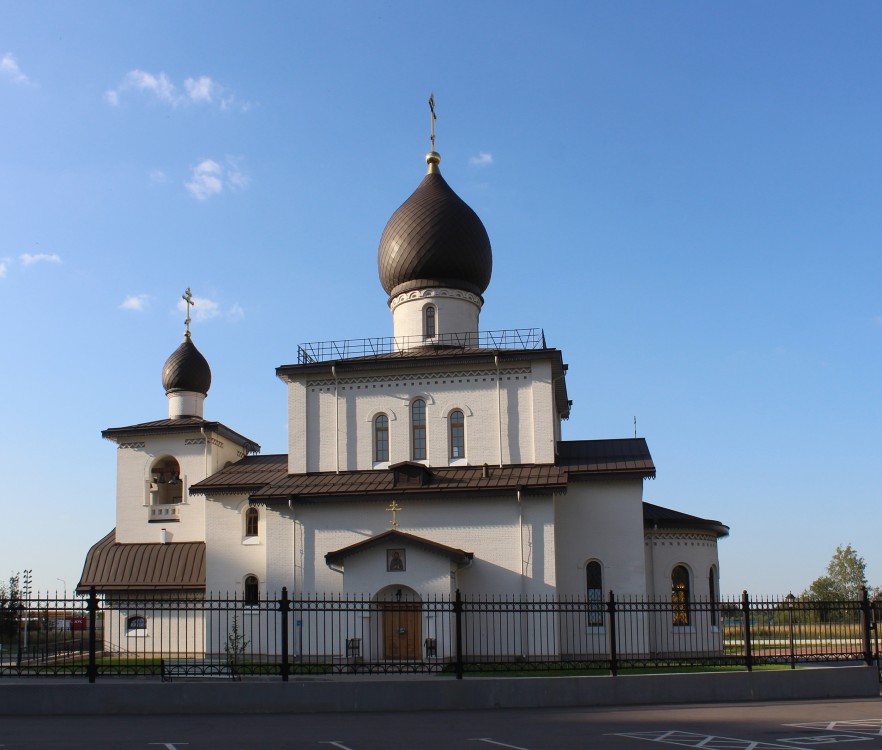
pixel 381 438
pixel 418 429
pixel 594 582
pixel 457 434
pixel 680 596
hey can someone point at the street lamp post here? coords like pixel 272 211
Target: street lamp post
pixel 790 601
pixel 26 578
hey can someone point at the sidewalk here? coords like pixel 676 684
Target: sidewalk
pixel 322 694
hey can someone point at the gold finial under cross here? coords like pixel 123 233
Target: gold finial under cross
pixel 188 298
pixel 393 508
pixel 432 111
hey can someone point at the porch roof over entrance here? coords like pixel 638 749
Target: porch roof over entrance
pixel 401 538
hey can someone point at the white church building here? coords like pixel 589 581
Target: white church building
pixel 424 462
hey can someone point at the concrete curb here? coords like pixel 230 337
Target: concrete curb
pixel 117 696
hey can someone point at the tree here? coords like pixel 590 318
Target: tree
pixel 845 579
pixel 10 609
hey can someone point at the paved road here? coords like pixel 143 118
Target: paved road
pixel 851 725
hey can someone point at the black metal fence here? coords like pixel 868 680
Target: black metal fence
pixel 173 636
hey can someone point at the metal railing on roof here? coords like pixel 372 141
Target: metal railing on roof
pixel 443 343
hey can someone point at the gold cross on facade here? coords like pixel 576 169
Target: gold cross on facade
pixel 188 298
pixel 432 111
pixel 393 508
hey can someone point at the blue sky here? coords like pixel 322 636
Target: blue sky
pixel 684 195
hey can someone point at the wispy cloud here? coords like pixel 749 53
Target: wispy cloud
pixel 9 69
pixel 3 268
pixel 235 312
pixel 205 309
pixel 210 177
pixel 137 302
pixel 27 259
pixel 878 320
pixel 201 90
pixel 158 177
pixel 483 159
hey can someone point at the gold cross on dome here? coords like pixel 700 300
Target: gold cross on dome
pixel 188 298
pixel 393 508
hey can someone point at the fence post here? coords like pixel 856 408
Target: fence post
pixel 748 648
pixel 457 613
pixel 91 669
pixel 613 646
pixel 866 624
pixel 285 608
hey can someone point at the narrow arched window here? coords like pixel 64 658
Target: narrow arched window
pixel 457 434
pixel 430 322
pixel 680 595
pixel 712 594
pixel 251 522
pixel 252 590
pixel 418 429
pixel 594 579
pixel 381 438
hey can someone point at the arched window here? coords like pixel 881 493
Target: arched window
pixel 136 622
pixel 594 578
pixel 381 438
pixel 252 590
pixel 251 519
pixel 165 482
pixel 680 595
pixel 418 429
pixel 430 322
pixel 712 594
pixel 457 434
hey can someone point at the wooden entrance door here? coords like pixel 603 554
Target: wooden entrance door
pixel 402 630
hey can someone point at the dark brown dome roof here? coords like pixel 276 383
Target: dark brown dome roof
pixel 186 370
pixel 434 240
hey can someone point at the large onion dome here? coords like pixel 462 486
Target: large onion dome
pixel 186 370
pixel 434 240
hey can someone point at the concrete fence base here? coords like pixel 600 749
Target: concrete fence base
pixel 120 696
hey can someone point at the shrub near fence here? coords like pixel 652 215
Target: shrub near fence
pixel 193 635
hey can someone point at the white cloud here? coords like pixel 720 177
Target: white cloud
pixel 2 269
pixel 235 312
pixel 158 177
pixel 27 259
pixel 210 177
pixel 483 159
pixel 135 302
pixel 206 180
pixel 9 68
pixel 201 90
pixel 203 309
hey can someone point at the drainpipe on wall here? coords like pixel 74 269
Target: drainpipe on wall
pixel 205 467
pixel 499 409
pixel 336 419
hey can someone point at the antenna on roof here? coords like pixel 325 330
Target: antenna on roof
pixel 635 425
pixel 433 117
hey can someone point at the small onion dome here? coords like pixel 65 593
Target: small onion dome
pixel 186 370
pixel 434 240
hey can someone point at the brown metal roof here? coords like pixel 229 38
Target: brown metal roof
pixel 393 536
pixel 656 515
pixel 305 487
pixel 111 566
pixel 599 457
pixel 266 478
pixel 249 474
pixel 179 424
